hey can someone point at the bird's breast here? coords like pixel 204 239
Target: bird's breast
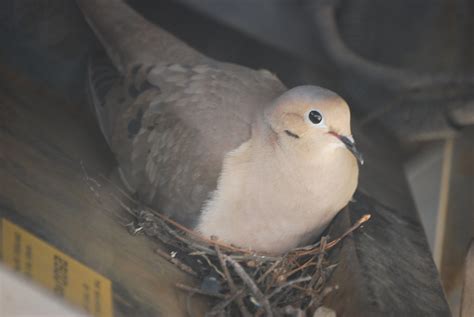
pixel 265 205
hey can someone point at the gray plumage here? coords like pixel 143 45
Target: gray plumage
pixel 155 111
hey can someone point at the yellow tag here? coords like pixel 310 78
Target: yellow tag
pixel 55 270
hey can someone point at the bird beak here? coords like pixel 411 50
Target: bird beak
pixel 350 145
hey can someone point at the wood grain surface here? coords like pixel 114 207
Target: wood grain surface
pixel 43 189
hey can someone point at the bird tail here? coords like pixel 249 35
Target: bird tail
pixel 130 39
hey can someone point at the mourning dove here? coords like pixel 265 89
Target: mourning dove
pixel 217 146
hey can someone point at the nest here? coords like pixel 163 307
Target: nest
pixel 238 281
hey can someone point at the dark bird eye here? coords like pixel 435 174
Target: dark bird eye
pixel 315 117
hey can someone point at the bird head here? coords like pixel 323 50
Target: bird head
pixel 309 119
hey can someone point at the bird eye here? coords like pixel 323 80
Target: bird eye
pixel 315 117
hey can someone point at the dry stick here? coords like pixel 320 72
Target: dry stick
pixel 270 269
pixel 333 243
pixel 289 283
pixel 237 267
pixel 169 230
pixel 356 225
pixel 251 284
pixel 319 265
pixel 306 247
pixel 261 279
pixel 198 291
pixel 200 237
pixel 219 307
pixel 182 239
pixel 321 255
pixel 248 255
pixel 213 266
pixel 301 267
pixel 177 262
pixel 124 206
pixel 230 281
pixel 255 256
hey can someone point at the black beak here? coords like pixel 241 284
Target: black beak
pixel 352 148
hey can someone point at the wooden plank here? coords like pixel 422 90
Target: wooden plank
pixel 458 227
pixel 386 268
pixel 43 191
pixel 467 300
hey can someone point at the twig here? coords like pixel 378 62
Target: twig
pixel 333 243
pixel 230 282
pixel 212 265
pixel 301 267
pixel 356 225
pixel 200 237
pixel 124 206
pixel 274 265
pixel 263 277
pixel 289 283
pixel 255 256
pixel 319 264
pixel 251 284
pixel 183 267
pixel 222 305
pixel 198 291
pixel 184 240
pixel 321 255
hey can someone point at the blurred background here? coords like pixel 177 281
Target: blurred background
pixel 405 67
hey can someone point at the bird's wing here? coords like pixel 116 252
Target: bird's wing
pixel 170 126
pixel 170 114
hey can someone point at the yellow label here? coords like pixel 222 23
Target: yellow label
pixel 55 270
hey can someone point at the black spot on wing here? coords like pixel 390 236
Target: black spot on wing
pixel 103 76
pixel 146 85
pixel 135 124
pixel 134 70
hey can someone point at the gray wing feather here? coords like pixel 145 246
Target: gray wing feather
pixel 171 138
pixel 174 114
